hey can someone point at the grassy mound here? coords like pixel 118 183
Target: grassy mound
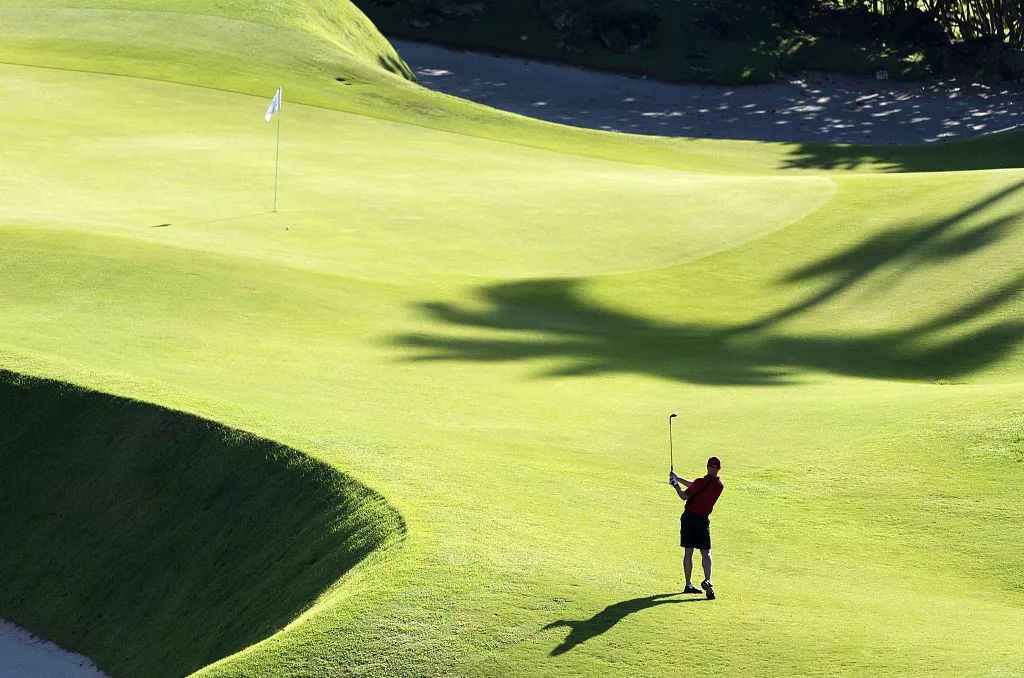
pixel 230 29
pixel 251 48
pixel 157 542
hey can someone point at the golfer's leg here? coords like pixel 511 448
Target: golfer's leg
pixel 705 561
pixel 688 563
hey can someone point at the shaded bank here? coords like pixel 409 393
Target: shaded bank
pixel 157 542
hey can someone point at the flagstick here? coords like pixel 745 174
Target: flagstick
pixel 277 155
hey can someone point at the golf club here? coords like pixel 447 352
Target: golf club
pixel 671 465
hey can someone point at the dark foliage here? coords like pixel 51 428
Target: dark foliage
pixel 959 20
pixel 982 37
pixel 749 40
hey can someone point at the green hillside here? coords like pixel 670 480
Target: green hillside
pixel 161 542
pixel 463 330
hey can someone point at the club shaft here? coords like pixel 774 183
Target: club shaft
pixel 671 460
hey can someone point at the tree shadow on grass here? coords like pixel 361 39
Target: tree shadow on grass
pixel 990 152
pixel 582 630
pixel 551 319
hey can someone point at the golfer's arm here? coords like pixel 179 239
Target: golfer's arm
pixel 679 489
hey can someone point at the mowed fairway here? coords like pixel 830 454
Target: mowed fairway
pixel 489 331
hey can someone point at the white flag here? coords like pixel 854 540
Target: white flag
pixel 275 105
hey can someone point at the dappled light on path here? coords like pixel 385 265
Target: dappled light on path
pixel 809 107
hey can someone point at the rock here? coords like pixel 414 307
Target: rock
pixel 627 32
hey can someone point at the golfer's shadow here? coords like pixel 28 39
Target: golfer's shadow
pixel 583 630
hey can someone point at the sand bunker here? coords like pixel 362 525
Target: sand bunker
pixel 23 655
pixel 807 107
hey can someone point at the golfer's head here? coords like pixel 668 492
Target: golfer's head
pixel 714 464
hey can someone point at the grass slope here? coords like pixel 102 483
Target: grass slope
pixel 245 47
pixel 161 542
pixel 490 334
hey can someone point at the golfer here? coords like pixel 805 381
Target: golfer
pixel 700 496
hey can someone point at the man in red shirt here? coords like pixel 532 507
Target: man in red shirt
pixel 700 496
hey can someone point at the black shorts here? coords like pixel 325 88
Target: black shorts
pixel 694 531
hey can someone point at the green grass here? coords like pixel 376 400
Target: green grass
pixel 221 50
pixel 486 320
pixel 167 541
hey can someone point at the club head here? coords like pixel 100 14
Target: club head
pixel 672 415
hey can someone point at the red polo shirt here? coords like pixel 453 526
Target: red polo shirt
pixel 705 501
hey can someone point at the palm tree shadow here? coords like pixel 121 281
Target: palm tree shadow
pixel 551 319
pixel 582 630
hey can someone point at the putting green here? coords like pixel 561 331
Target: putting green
pixel 490 332
pixel 203 165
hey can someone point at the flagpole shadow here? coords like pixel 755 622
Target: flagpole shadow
pixel 215 221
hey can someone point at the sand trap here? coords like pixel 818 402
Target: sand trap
pixel 809 107
pixel 23 655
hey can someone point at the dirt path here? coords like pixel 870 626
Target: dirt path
pixel 23 655
pixel 808 107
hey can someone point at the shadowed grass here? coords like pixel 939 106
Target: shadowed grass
pixel 586 338
pixel 582 630
pixel 159 542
